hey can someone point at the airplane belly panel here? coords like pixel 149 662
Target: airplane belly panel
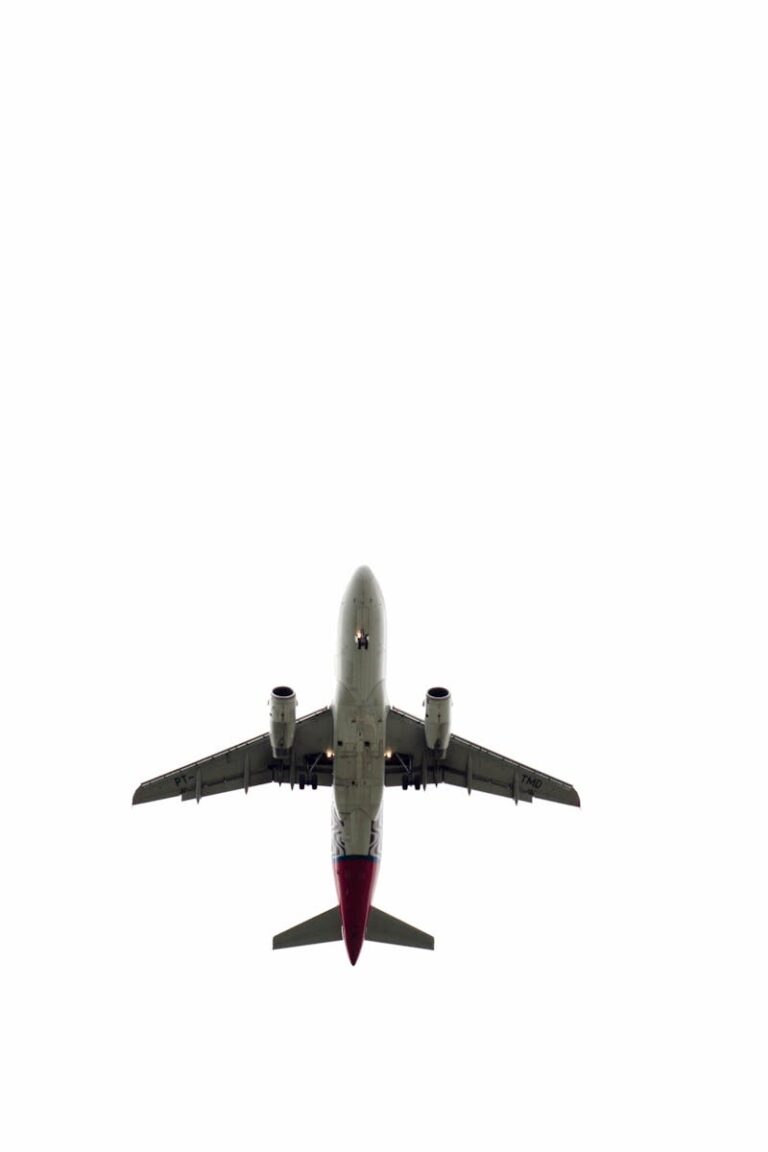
pixel 358 791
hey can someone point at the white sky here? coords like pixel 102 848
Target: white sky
pixel 474 294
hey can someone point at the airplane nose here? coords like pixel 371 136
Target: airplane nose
pixel 363 585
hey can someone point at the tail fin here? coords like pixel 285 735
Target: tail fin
pixel 381 927
pixel 385 929
pixel 319 930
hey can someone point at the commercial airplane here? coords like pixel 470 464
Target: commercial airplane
pixel 359 746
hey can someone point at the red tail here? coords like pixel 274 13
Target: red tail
pixel 355 882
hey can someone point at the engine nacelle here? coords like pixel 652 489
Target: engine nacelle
pixel 282 721
pixel 437 720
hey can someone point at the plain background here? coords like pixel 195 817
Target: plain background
pixel 474 294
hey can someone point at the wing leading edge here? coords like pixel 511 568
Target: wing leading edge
pixel 251 763
pixel 466 765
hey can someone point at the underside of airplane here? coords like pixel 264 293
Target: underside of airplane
pixel 358 746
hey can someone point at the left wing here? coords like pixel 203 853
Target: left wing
pixel 251 763
pixel 466 765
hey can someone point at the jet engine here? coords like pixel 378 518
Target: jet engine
pixel 437 720
pixel 282 721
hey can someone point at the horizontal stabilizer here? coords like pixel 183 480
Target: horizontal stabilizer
pixel 320 929
pixel 386 929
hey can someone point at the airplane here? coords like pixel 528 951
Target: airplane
pixel 359 745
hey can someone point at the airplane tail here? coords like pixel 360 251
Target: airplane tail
pixel 381 928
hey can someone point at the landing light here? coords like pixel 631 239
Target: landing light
pixel 329 753
pixel 388 754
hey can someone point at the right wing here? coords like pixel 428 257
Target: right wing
pixel 245 765
pixel 464 764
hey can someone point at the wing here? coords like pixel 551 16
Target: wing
pixel 251 763
pixel 409 761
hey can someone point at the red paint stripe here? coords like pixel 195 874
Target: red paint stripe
pixel 355 882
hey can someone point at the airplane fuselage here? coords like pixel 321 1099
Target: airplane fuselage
pixel 359 725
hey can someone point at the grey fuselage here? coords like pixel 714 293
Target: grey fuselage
pixel 359 720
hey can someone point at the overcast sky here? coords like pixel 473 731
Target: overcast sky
pixel 474 294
